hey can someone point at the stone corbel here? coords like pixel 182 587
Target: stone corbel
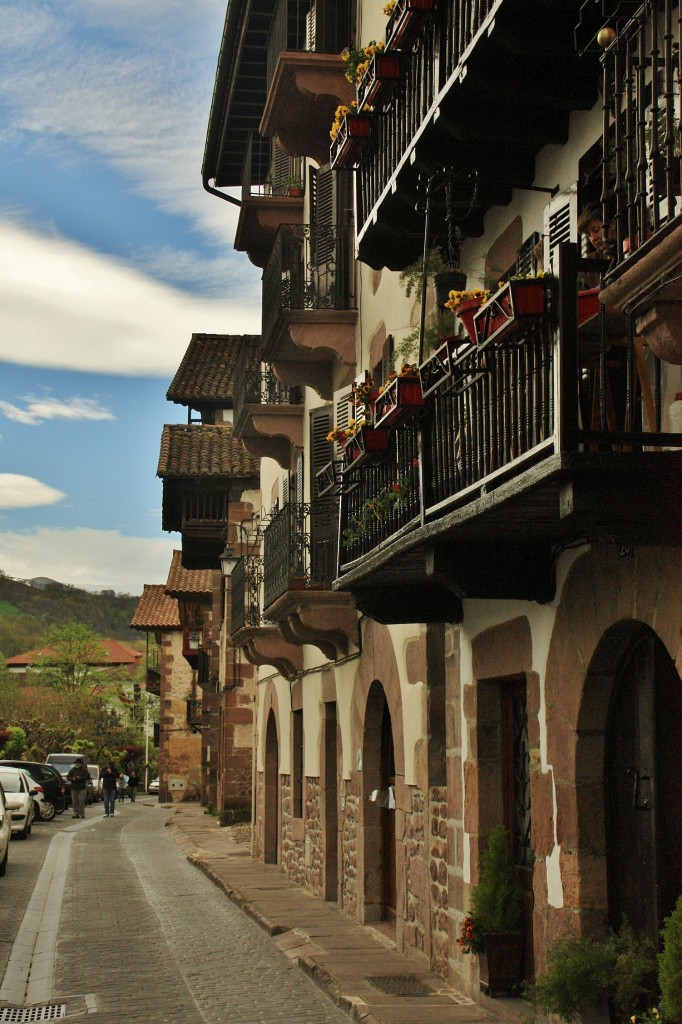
pixel 326 620
pixel 265 645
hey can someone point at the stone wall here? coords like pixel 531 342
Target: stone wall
pixel 442 923
pixel 179 746
pixel 314 838
pixel 416 927
pixel 349 854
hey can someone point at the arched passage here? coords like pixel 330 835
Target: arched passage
pixel 272 792
pixel 379 778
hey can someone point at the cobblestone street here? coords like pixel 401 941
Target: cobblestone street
pixel 145 938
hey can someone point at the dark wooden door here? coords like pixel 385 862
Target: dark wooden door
pixel 644 789
pixel 387 818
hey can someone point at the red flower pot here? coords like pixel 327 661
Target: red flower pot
pixel 378 81
pixel 516 305
pixel 363 446
pixel 465 312
pixel 405 23
pixel 398 402
pixel 588 304
pixel 353 134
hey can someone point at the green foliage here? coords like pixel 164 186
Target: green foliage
pixel 670 965
pixel 582 973
pixel 77 650
pixel 14 742
pixel 496 902
pixel 7 608
pixel 436 328
pixel 375 510
pixel 411 277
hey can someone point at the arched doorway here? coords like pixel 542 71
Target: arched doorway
pixel 643 773
pixel 379 809
pixel 271 801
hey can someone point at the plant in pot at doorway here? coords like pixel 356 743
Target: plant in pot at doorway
pixel 493 928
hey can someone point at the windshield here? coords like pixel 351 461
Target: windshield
pixel 94 772
pixel 64 762
pixel 11 783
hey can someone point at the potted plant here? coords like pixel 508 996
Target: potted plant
pixel 493 928
pixel 405 20
pixel 349 133
pixel 400 398
pixel 293 186
pixel 376 509
pixel 518 303
pixel 380 77
pixel 447 276
pixel 465 304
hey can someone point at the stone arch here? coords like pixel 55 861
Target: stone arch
pixel 605 603
pixel 377 685
pixel 271 792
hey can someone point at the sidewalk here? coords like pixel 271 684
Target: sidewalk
pixel 358 967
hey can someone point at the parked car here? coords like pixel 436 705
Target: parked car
pixel 95 775
pixel 153 786
pixel 44 808
pixel 19 792
pixel 49 777
pixel 5 831
pixel 64 763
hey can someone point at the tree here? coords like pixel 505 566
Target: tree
pixel 77 652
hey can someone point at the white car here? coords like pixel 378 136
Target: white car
pixel 19 792
pixel 153 786
pixel 5 832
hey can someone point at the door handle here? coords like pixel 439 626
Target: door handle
pixel 637 804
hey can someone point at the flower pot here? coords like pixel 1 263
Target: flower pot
pixel 294 192
pixel 465 313
pixel 448 281
pixel 515 307
pixel 363 446
pixel 501 963
pixel 353 134
pixel 399 401
pixel 588 304
pixel 405 23
pixel 376 88
pixel 436 372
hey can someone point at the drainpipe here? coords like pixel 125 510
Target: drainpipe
pixel 220 195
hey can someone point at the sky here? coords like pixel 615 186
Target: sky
pixel 111 255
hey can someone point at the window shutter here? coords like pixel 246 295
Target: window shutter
pixel 300 493
pixel 321 450
pixel 561 224
pixel 525 258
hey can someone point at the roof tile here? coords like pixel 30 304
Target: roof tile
pixel 196 450
pixel 196 582
pixel 206 373
pixel 156 609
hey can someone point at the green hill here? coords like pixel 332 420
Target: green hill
pixel 26 613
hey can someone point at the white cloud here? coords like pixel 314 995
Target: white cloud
pixel 63 306
pixel 91 559
pixel 40 409
pixel 17 491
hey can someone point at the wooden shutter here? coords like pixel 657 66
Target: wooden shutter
pixel 321 450
pixel 525 258
pixel 561 224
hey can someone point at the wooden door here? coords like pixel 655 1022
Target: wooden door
pixel 387 820
pixel 644 789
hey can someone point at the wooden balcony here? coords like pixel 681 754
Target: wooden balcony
pixel 449 107
pixel 309 310
pixel 556 435
pixel 268 415
pixel 299 561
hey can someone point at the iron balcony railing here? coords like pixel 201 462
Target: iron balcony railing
pixel 300 544
pixel 246 593
pixel 309 269
pixel 424 72
pixel 641 150
pixel 320 25
pixel 255 383
pixel 553 388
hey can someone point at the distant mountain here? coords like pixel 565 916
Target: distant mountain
pixel 28 608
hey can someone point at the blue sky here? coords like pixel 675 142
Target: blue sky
pixel 111 256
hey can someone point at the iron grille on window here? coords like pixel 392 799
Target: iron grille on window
pixel 523 853
pixel 194 712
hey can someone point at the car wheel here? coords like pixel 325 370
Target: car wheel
pixel 25 832
pixel 3 863
pixel 46 811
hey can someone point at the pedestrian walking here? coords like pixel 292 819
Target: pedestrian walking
pixel 121 786
pixel 109 781
pixel 133 783
pixel 78 776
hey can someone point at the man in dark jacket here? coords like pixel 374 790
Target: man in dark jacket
pixel 109 780
pixel 79 776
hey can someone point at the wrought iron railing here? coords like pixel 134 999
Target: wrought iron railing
pixel 424 72
pixel 641 144
pixel 255 383
pixel 300 544
pixel 308 269
pixel 194 712
pixel 245 593
pixel 204 508
pixel 559 386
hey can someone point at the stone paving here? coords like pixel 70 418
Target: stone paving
pixel 340 955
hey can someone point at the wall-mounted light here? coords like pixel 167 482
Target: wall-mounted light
pixel 228 560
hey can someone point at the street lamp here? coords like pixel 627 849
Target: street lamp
pixel 228 560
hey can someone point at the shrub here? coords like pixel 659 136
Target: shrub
pixel 670 965
pixel 496 901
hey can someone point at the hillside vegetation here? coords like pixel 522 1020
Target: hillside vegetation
pixel 26 613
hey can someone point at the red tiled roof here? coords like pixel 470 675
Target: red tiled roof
pixel 197 450
pixel 156 610
pixel 206 374
pixel 116 654
pixel 195 582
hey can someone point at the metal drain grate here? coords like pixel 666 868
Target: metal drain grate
pixel 399 985
pixel 20 1015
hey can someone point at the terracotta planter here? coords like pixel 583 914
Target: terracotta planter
pixel 501 963
pixel 364 446
pixel 405 23
pixel 515 307
pixel 588 304
pixel 379 80
pixel 465 313
pixel 400 400
pixel 353 134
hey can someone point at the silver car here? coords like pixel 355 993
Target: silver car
pixel 19 792
pixel 5 832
